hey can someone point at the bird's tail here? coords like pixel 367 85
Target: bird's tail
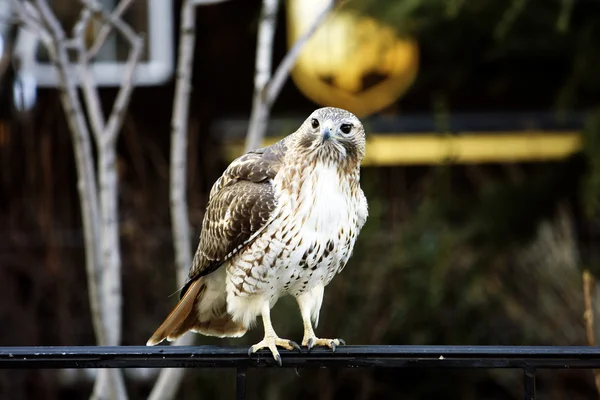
pixel 211 319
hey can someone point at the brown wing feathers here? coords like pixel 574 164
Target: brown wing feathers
pixel 235 215
pixel 255 166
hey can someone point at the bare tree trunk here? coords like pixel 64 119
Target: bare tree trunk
pixel 169 380
pixel 54 40
pixel 267 88
pixel 99 209
pixel 111 258
pixel 107 175
pixel 179 123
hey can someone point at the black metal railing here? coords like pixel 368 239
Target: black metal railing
pixel 527 358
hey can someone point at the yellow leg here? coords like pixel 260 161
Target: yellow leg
pixel 306 302
pixel 271 340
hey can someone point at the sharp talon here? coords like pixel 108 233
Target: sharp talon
pixel 310 345
pixel 297 372
pixel 295 346
pixel 333 346
pixel 342 342
pixel 271 343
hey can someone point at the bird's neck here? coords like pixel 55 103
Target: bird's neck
pixel 300 178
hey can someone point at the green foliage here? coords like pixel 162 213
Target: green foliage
pixel 416 16
pixel 504 205
pixel 534 49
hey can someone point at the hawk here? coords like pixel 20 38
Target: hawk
pixel 281 220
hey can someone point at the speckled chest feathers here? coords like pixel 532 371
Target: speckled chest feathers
pixel 320 211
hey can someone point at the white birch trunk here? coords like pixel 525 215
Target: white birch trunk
pixel 179 124
pixel 111 259
pixel 99 208
pixel 169 380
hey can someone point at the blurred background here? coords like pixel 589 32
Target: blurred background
pixel 482 176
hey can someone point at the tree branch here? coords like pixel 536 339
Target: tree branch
pixel 110 382
pixel 29 18
pixel 267 88
pixel 99 208
pixel 82 146
pixel 264 55
pixel 106 29
pixel 136 43
pixel 86 79
pixel 113 20
pixel 117 115
pixel 285 66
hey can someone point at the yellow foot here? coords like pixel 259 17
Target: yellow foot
pixel 271 342
pixel 311 342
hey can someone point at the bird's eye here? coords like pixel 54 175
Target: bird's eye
pixel 314 123
pixel 346 128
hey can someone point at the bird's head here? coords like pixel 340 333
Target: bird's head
pixel 332 135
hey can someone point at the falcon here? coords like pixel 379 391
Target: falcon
pixel 281 220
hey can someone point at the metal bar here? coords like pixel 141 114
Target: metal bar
pixel 345 356
pixel 241 383
pixel 529 383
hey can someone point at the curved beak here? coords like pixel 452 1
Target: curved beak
pixel 326 131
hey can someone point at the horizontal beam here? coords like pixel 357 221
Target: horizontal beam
pixel 525 357
pixel 474 147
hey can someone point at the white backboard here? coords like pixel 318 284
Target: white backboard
pixel 153 18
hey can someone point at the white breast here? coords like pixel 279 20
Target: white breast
pixel 328 205
pixel 320 214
